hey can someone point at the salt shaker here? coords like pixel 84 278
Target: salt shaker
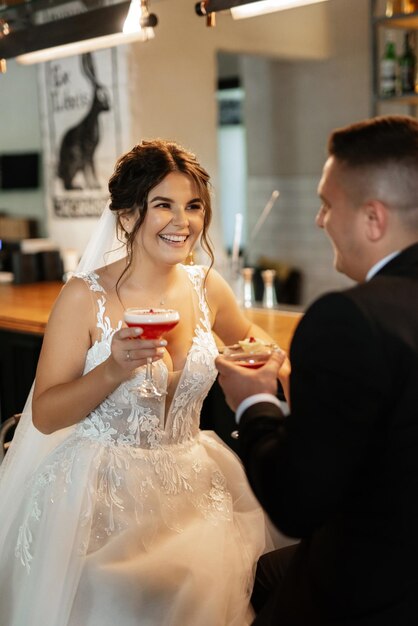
pixel 248 299
pixel 269 295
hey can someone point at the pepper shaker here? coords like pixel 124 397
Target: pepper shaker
pixel 248 299
pixel 269 295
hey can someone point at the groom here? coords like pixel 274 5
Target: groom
pixel 341 471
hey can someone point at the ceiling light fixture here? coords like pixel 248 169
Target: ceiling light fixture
pixel 267 6
pixel 249 8
pixel 76 47
pixel 140 20
pixel 46 34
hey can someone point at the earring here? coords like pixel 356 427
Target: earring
pixel 190 258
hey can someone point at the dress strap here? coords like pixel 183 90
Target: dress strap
pixel 197 274
pixel 92 280
pixel 103 324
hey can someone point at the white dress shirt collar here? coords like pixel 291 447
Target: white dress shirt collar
pixel 378 266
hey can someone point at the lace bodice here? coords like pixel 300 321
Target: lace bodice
pixel 124 418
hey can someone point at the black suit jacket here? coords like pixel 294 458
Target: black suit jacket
pixel 341 471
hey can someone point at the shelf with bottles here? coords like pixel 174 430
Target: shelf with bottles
pixel 394 45
pixel 396 11
pixel 406 21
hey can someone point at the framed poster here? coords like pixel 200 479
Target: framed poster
pixel 85 125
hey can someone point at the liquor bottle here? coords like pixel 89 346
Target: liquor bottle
pixel 407 63
pixel 409 6
pixel 393 7
pixel 388 70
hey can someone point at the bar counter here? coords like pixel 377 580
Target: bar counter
pixel 26 308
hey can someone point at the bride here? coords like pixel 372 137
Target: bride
pixel 116 509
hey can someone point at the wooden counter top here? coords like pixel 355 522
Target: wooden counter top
pixel 26 308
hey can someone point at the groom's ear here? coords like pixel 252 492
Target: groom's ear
pixel 375 220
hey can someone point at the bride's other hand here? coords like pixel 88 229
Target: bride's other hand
pixel 128 351
pixel 284 377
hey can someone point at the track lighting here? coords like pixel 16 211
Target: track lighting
pixel 35 32
pixel 248 8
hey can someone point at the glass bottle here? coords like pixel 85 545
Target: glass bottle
pixel 393 7
pixel 388 70
pixel 407 63
pixel 269 295
pixel 409 6
pixel 248 287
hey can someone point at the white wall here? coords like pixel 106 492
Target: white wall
pixel 307 100
pixel 20 132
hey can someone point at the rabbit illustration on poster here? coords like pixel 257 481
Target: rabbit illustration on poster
pixel 79 143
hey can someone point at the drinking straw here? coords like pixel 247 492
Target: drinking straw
pixel 237 239
pixel 265 212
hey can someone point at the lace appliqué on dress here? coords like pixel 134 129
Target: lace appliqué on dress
pixel 217 503
pixel 199 372
pixel 92 279
pixel 37 488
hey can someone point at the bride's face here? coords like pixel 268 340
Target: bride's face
pixel 174 220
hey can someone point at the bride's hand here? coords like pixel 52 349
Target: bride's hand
pixel 129 352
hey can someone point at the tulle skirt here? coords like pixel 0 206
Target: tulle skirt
pixel 107 535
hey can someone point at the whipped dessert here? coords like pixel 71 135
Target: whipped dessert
pixel 252 345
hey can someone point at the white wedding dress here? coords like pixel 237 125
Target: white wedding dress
pixel 133 517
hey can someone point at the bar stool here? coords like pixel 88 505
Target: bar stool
pixel 5 431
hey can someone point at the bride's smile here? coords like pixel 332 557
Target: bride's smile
pixel 174 219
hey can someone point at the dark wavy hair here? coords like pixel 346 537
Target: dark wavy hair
pixel 140 170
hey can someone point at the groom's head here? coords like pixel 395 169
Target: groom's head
pixel 369 192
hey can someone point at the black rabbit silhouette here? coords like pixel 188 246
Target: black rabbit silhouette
pixel 80 142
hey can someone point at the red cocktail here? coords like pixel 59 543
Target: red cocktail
pixel 154 323
pixel 251 363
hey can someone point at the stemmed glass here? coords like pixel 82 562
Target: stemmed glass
pixel 252 354
pixel 154 323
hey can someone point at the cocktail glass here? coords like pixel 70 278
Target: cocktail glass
pixel 154 323
pixel 246 358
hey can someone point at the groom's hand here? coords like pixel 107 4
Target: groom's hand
pixel 240 382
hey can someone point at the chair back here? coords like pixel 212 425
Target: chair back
pixel 6 433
